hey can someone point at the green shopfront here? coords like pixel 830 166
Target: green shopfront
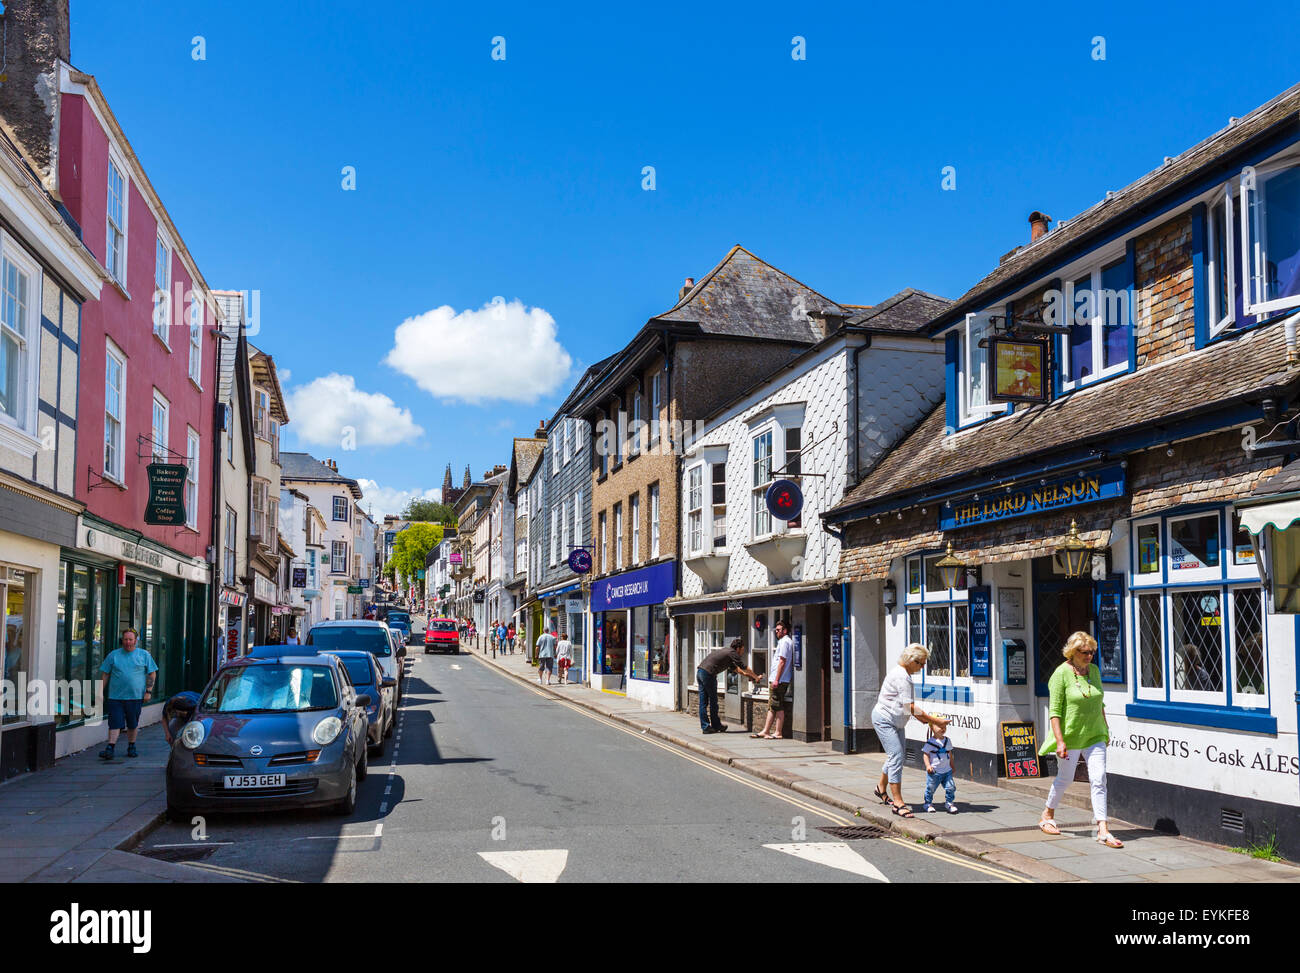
pixel 113 581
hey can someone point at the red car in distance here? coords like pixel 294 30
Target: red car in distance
pixel 442 634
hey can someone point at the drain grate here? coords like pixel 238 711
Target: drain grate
pixel 193 854
pixel 856 833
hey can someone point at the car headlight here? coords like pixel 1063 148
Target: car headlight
pixel 192 734
pixel 327 730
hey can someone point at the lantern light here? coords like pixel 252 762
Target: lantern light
pixel 950 568
pixel 1077 553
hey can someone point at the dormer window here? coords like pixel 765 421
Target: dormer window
pixel 1098 304
pixel 1270 204
pixel 972 370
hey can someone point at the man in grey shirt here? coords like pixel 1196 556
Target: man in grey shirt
pixel 545 656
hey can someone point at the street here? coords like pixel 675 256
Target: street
pixel 488 780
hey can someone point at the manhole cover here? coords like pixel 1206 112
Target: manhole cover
pixel 857 832
pixel 192 854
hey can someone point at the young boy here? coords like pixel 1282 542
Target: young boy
pixel 937 754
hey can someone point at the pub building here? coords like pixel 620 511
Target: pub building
pixel 1083 475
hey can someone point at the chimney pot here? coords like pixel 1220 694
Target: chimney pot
pixel 686 288
pixel 1038 225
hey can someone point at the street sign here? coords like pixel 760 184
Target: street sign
pixel 365 582
pixel 166 504
pixel 354 589
pixel 784 499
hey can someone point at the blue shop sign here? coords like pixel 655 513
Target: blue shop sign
pixel 978 603
pixel 1064 491
pixel 648 586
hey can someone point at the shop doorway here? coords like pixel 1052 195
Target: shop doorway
pixel 1060 609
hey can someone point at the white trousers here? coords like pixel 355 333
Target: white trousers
pixel 1095 758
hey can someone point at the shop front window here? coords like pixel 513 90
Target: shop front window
pixel 938 618
pixel 15 616
pixel 710 635
pixel 760 640
pixel 614 647
pixel 80 648
pixel 641 642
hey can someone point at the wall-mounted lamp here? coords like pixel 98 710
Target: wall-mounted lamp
pixel 889 596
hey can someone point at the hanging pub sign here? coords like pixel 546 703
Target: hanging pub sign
pixel 580 560
pixel 300 577
pixel 1074 490
pixel 784 499
pixel 166 504
pixel 1018 370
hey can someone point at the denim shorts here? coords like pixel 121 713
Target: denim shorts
pixel 894 741
pixel 124 713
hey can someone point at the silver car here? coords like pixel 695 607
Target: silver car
pixel 269 734
pixel 362 635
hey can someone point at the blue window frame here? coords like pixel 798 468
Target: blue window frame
pixel 340 508
pixel 939 619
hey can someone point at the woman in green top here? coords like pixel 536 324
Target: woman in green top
pixel 1078 728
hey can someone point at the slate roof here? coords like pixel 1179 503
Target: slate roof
pixel 1090 224
pixel 745 297
pixel 1238 371
pixel 908 312
pixel 525 456
pixel 304 466
pixel 1288 481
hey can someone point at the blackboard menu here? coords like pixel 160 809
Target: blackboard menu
pixel 980 663
pixel 837 648
pixel 1019 750
pixel 1110 630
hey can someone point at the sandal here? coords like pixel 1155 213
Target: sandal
pixel 1048 826
pixel 1110 841
pixel 882 796
pixel 902 810
pixel 757 736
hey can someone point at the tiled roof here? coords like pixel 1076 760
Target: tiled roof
pixel 304 466
pixel 1181 169
pixel 1237 370
pixel 1287 481
pixel 908 311
pixel 744 297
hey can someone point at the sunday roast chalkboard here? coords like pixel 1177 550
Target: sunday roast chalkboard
pixel 1019 750
pixel 1110 630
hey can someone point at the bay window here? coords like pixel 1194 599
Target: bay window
pixel 720 505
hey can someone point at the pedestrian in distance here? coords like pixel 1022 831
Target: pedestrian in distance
pixel 510 637
pixel 292 638
pixel 546 643
pixel 779 687
pixel 894 707
pixel 1079 728
pixel 937 754
pixel 564 657
pixel 706 678
pixel 128 677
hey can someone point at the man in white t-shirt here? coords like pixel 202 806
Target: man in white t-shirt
pixel 779 685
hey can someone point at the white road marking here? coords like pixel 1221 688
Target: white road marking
pixel 454 666
pixel 379 830
pixel 832 854
pixel 383 808
pixel 529 867
pixel 388 790
pixel 192 844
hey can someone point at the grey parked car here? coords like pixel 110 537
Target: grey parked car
pixel 367 678
pixel 269 734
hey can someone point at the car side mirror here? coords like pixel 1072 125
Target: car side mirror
pixel 388 683
pixel 363 700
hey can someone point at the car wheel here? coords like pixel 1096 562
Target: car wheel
pixel 348 803
pixel 363 765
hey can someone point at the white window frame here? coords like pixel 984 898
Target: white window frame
pixel 115 258
pixel 656 406
pixel 26 429
pixel 694 508
pixel 971 359
pixel 1221 319
pixel 232 541
pixel 192 447
pixel 115 472
pixel 634 514
pixel 618 536
pixel 1254 254
pixel 654 521
pixel 710 635
pixel 555 533
pixel 260 491
pixel 261 413
pixel 162 297
pixel 159 447
pixel 1192 575
pixel 578 539
pixel 338 560
pixel 604 540
pixel 564 530
pixel 196 342
pixel 955 600
pixel 1096 320
pixel 557 448
pixel 760 519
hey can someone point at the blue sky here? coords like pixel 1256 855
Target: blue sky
pixel 522 178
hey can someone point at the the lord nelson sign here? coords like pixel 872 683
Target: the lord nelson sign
pixel 1067 491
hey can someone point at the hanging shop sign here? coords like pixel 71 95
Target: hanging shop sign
pixel 455 558
pixel 573 606
pixel 300 577
pixel 580 560
pixel 478 597
pixel 980 661
pixel 784 499
pixel 1022 501
pixel 1109 596
pixel 166 504
pixel 648 586
pixel 235 599
pixel 1019 750
pixel 365 582
pixel 1018 370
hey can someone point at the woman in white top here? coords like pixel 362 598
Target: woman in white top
pixel 564 657
pixel 894 707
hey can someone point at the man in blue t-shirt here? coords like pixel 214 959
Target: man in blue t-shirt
pixel 129 675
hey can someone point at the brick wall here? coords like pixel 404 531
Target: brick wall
pixel 1163 285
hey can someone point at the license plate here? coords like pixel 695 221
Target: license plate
pixel 253 781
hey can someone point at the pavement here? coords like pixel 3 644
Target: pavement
pixel 995 824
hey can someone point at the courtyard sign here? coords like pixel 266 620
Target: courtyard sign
pixel 1067 491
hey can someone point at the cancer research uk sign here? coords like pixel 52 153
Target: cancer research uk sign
pixel 1034 498
pixel 649 586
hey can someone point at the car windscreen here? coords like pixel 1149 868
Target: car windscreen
pixel 363 638
pixel 358 671
pixel 271 688
pixel 444 626
pixel 400 618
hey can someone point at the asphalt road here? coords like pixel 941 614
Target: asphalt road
pixel 487 780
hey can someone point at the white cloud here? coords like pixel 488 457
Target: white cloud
pixel 505 352
pixel 388 500
pixel 285 376
pixel 324 410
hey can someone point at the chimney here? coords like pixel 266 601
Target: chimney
pixel 540 433
pixel 36 34
pixel 499 469
pixel 1038 225
pixel 686 288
